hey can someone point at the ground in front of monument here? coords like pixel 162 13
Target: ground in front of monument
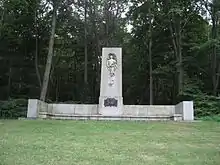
pixel 57 142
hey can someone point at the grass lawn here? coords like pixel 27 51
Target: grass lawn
pixel 102 143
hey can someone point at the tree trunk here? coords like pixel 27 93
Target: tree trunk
pixel 213 56
pixel 175 31
pixel 36 51
pixel 9 79
pixel 179 53
pixel 74 96
pixel 50 54
pixel 106 10
pixel 150 55
pixel 57 89
pixel 174 89
pixel 86 52
pixel 97 51
pixel 2 19
pixel 85 90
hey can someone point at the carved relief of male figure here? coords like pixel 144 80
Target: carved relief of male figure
pixel 112 63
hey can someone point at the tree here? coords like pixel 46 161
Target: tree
pixel 170 54
pixel 214 10
pixel 150 50
pixel 86 53
pixel 36 44
pixel 50 53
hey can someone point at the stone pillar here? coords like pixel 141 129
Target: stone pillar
pixel 111 100
pixel 186 109
pixel 32 108
pixel 37 109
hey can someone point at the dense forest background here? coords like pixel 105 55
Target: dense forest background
pixel 51 50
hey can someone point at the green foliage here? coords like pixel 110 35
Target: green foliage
pixel 205 105
pixel 13 108
pixel 211 118
pixel 25 30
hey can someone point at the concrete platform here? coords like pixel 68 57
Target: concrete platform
pixel 43 115
pixel 182 111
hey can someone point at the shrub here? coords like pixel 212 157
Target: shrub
pixel 205 105
pixel 211 118
pixel 13 108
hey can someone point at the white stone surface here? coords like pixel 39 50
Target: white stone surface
pixel 43 107
pixel 179 108
pixel 177 117
pixel 32 108
pixel 111 81
pixel 78 109
pixel 182 111
pixel 50 108
pixel 188 114
pixel 63 108
pixel 186 109
pixel 148 110
pixel 86 109
pixel 161 110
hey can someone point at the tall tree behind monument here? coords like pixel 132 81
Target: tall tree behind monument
pixel 213 8
pixel 150 50
pixel 85 48
pixel 50 54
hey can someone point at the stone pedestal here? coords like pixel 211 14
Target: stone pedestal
pixel 111 100
pixel 186 109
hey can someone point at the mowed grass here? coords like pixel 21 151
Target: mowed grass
pixel 106 143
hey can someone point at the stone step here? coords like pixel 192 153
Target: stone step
pixel 176 117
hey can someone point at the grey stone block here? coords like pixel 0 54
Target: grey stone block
pixel 111 82
pixel 186 109
pixel 32 108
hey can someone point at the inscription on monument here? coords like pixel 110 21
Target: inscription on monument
pixel 110 102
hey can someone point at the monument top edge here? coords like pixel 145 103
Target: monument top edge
pixel 112 48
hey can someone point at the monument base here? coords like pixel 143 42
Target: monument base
pixel 42 110
pixel 110 106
